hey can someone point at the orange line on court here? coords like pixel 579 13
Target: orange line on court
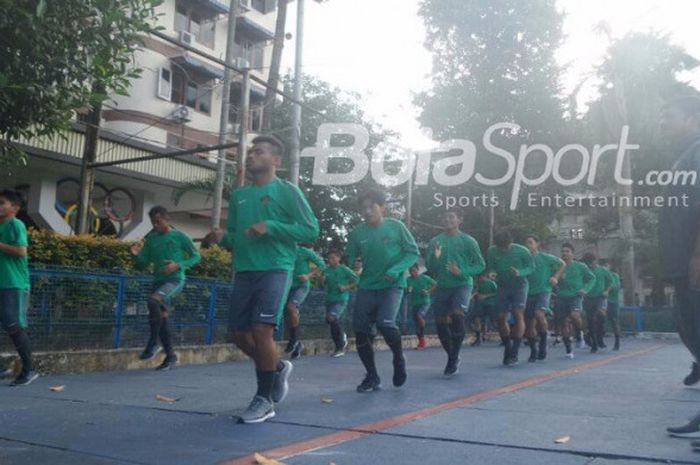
pixel 340 437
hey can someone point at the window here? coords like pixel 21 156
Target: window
pixel 188 18
pixel 191 93
pixel 249 50
pixel 259 5
pixel 164 84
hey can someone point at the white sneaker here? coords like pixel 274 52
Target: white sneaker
pixel 570 355
pixel 581 344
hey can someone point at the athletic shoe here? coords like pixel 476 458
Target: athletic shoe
pixel 5 372
pixel 542 352
pixel 168 363
pixel 399 372
pixel 369 384
pixel 421 343
pixel 602 344
pixel 556 341
pixel 452 367
pixel 149 352
pixel 532 359
pixel 688 431
pixel 290 346
pixel 280 387
pixel 570 355
pixel 259 410
pixel 297 350
pixel 25 378
pixel 694 375
pixel 695 445
pixel 594 350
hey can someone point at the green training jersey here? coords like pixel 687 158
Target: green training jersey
pixel 577 276
pixel 336 276
pixel 460 249
pixel 174 246
pixel 502 261
pixel 545 266
pixel 289 220
pixel 386 250
pixel 487 287
pixel 302 265
pixel 614 296
pixel 418 288
pixel 603 280
pixel 14 271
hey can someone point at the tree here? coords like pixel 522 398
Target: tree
pixel 58 54
pixel 492 62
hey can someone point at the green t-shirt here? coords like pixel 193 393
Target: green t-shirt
pixel 460 249
pixel 545 266
pixel 302 265
pixel 174 246
pixel 336 276
pixel 417 287
pixel 603 280
pixel 614 295
pixel 289 219
pixel 577 276
pixel 501 261
pixel 386 250
pixel 487 287
pixel 14 271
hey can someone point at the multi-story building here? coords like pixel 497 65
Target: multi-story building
pixel 175 104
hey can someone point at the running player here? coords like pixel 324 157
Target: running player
pixel 547 271
pixel 596 301
pixel 387 250
pixel 453 257
pixel 576 281
pixel 14 284
pixel 613 312
pixel 338 280
pixel 301 285
pixel 483 305
pixel 171 253
pixel 420 287
pixel 266 221
pixel 512 264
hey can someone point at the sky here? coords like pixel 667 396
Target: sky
pixel 375 47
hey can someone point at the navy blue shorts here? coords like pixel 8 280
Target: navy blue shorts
pixel 258 297
pixel 537 302
pixel 420 309
pixel 336 309
pixel 167 291
pixel 567 305
pixel 376 306
pixel 298 294
pixel 595 304
pixel 448 299
pixel 613 310
pixel 511 295
pixel 14 304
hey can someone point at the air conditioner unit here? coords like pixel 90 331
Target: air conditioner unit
pixel 183 114
pixel 246 5
pixel 187 38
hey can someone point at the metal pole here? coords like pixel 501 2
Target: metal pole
pixel 224 118
pixel 296 114
pixel 244 116
pixel 87 173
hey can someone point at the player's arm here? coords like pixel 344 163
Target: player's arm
pixel 304 225
pixel 193 256
pixel 474 263
pixel 17 247
pixel 228 240
pixel 409 256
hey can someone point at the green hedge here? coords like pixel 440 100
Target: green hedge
pixel 110 254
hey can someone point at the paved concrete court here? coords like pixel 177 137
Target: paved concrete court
pixel 614 407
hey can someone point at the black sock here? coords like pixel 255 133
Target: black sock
pixel 419 332
pixel 265 381
pixel 478 335
pixel 336 334
pixel 392 337
pixel 445 336
pixel 166 339
pixel 532 342
pixel 458 331
pixel 543 341
pixel 366 352
pixel 21 342
pixel 154 321
pixel 516 346
pixel 567 344
pixel 506 347
pixel 293 334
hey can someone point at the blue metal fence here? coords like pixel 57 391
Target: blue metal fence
pixel 84 309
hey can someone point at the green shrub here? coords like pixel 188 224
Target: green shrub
pixel 47 248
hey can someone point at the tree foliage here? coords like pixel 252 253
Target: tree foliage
pixel 55 53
